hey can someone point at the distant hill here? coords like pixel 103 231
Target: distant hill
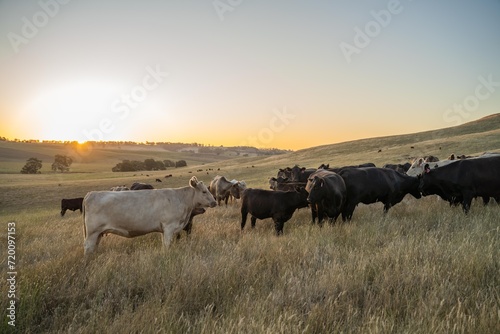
pixel 471 138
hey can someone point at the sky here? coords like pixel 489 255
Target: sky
pixel 284 74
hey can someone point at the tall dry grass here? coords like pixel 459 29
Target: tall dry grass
pixel 422 268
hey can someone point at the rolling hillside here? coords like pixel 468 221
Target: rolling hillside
pixel 471 138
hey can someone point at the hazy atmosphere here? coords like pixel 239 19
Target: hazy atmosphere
pixel 287 74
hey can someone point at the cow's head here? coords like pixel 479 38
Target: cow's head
pixel 296 171
pixel 316 187
pixel 427 169
pixel 235 190
pixel 284 172
pixel 414 188
pixel 426 183
pixel 273 183
pixel 202 197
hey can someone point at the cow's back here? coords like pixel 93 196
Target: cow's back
pixel 479 173
pixel 365 184
pixel 137 212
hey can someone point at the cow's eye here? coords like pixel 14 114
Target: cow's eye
pixel 204 191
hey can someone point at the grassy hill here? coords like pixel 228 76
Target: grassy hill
pixel 471 138
pixel 424 267
pixel 87 158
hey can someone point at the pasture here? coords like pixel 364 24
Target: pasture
pixel 425 267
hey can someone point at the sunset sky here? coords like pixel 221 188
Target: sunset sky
pixel 286 74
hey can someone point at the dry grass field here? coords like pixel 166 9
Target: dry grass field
pixel 425 267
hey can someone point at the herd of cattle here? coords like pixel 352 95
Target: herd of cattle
pixel 328 192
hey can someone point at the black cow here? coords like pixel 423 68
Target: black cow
pixel 299 174
pixel 278 205
pixel 72 204
pixel 157 180
pixel 338 169
pixel 285 173
pixel 368 164
pixel 402 168
pixel 327 194
pixel 463 180
pixel 140 186
pixel 189 225
pixel 273 182
pixel 371 184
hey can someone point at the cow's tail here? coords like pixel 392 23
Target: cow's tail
pixel 83 213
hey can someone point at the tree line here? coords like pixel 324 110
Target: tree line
pixel 62 163
pixel 148 164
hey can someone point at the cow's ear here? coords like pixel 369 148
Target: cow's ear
pixel 427 169
pixel 193 182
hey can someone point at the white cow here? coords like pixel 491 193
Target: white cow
pixel 134 213
pixel 221 188
pixel 417 167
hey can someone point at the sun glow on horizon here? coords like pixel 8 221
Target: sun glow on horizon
pixel 61 112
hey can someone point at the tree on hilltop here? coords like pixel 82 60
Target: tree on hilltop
pixel 180 163
pixel 33 166
pixel 61 163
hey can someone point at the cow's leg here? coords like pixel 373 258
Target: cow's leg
pixel 335 216
pixel 348 212
pixel 186 228
pixel 253 220
pixel 486 200
pixel 278 226
pixel 244 214
pixel 167 236
pixel 466 204
pixel 63 211
pixel 314 212
pixel 320 214
pixel 91 243
pixel 387 206
pixel 189 226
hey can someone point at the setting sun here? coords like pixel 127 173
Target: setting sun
pixel 59 113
